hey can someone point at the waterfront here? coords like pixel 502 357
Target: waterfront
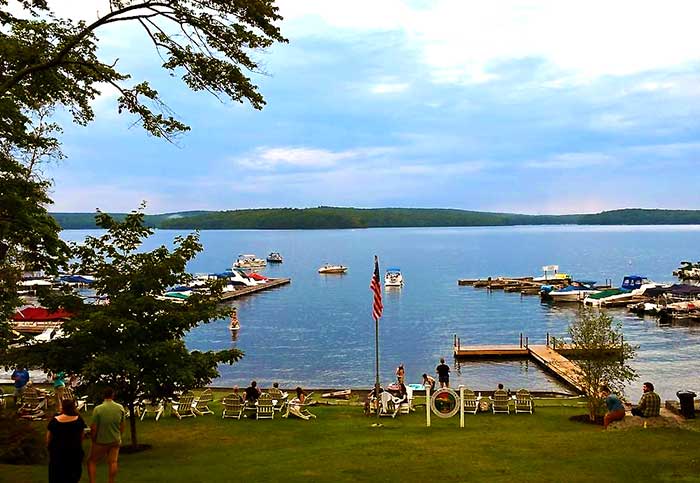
pixel 318 331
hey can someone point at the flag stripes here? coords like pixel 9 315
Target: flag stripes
pixel 376 287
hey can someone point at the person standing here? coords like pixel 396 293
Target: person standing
pixel 64 440
pixel 443 372
pixel 650 403
pixel 400 374
pixel 616 411
pixel 106 434
pixel 59 387
pixel 21 377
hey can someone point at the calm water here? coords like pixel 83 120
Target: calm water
pixel 318 331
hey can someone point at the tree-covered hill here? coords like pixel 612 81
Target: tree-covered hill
pixel 325 217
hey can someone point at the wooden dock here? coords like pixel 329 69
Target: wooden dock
pixel 549 358
pixel 271 283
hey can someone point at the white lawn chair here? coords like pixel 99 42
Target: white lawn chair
pixel 183 407
pixel 264 407
pixel 500 402
pixel 471 403
pixel 523 402
pixel 233 406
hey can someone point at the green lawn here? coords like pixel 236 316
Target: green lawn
pixel 341 446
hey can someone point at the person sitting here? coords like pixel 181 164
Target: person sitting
pixel 616 411
pixel 403 395
pixel 371 401
pixel 650 403
pixel 252 393
pixel 429 381
pixel 297 406
pixel 500 390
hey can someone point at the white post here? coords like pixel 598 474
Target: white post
pixel 461 406
pixel 427 405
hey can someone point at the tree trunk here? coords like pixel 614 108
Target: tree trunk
pixel 132 423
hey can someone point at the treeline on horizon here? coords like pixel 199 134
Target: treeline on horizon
pixel 326 217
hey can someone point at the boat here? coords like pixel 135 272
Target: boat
pixel 327 268
pixel 575 292
pixel 688 271
pixel 552 275
pixel 274 257
pixel 249 261
pixel 632 289
pixel 393 278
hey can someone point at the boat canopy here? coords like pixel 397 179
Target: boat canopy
pixel 679 289
pixel 393 269
pixel 631 282
pixel 40 314
pixel 606 293
pixel 76 279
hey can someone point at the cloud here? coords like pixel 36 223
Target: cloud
pixel 389 88
pixel 570 161
pixel 268 159
pixel 462 41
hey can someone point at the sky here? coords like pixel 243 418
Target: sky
pixel 539 107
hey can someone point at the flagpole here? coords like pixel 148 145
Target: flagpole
pixel 376 287
pixel 376 355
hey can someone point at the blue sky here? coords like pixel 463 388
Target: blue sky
pixel 517 106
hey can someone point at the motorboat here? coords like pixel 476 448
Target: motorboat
pixel 688 271
pixel 249 261
pixel 274 257
pixel 575 292
pixel 327 268
pixel 393 278
pixel 633 287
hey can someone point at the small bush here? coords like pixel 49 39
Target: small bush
pixel 21 443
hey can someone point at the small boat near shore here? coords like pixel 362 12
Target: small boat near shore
pixel 333 269
pixel 393 278
pixel 575 292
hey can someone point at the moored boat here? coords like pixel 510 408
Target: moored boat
pixel 327 268
pixel 393 278
pixel 575 292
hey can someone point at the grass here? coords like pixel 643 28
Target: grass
pixel 341 446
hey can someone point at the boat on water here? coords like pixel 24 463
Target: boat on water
pixel 552 275
pixel 274 257
pixel 575 292
pixel 688 271
pixel 327 268
pixel 249 261
pixel 633 287
pixel 393 278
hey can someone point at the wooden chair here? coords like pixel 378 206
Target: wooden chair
pixel 279 398
pixel 387 405
pixel 264 408
pixel 155 406
pixel 523 402
pixel 183 407
pixel 500 402
pixel 33 405
pixel 299 409
pixel 471 403
pixel 80 402
pixel 233 406
pixel 201 403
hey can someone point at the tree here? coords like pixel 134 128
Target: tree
pixel 47 61
pixel 602 356
pixel 135 342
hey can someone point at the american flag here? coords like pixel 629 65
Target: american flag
pixel 376 287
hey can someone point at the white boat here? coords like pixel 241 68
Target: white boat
pixel 393 278
pixel 327 268
pixel 633 286
pixel 249 261
pixel 552 275
pixel 575 292
pixel 274 257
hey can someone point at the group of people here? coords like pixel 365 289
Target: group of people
pixel 65 434
pixel 649 405
pixel 442 371
pixel 252 393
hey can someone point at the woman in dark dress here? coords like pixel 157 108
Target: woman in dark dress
pixel 64 440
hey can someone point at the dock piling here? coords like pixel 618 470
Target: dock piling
pixel 521 340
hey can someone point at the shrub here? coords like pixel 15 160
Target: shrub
pixel 21 443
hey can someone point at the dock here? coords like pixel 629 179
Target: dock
pixel 271 283
pixel 551 358
pixel 522 285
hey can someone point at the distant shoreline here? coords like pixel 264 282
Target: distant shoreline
pixel 325 217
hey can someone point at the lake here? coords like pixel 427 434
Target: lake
pixel 318 331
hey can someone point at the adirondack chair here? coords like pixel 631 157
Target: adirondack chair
pixel 523 402
pixel 183 407
pixel 264 407
pixel 471 403
pixel 406 406
pixel 201 403
pixel 500 402
pixel 233 406
pixel 33 405
pixel 80 402
pixel 155 406
pixel 299 409
pixel 2 398
pixel 279 398
pixel 387 405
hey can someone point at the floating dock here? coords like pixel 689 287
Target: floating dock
pixel 550 357
pixel 271 283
